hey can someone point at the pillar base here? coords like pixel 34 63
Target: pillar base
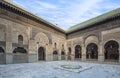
pixel 32 58
pixel 49 57
pixel 2 58
pixel 101 58
pixel 59 57
pixel 72 57
pixel 9 58
pixel 83 57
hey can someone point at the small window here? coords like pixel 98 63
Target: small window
pixel 62 45
pixel 20 39
pixel 1 50
pixel 69 50
pixel 55 45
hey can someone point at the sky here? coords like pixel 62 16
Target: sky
pixel 67 13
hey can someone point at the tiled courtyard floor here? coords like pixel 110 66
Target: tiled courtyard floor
pixel 54 70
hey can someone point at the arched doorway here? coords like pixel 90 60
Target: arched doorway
pixel 19 50
pixel 41 53
pixel 62 55
pixel 92 51
pixel 20 39
pixel 112 50
pixel 77 51
pixel 20 55
pixel 55 55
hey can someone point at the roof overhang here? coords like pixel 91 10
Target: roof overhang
pixel 7 4
pixel 87 24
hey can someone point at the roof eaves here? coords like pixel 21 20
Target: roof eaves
pixel 31 14
pixel 94 20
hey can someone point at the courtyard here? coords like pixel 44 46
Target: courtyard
pixel 59 69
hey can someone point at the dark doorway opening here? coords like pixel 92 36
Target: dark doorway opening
pixel 77 51
pixel 62 55
pixel 111 50
pixel 55 55
pixel 41 53
pixel 92 51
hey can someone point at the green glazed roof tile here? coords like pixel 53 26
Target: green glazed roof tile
pixel 94 20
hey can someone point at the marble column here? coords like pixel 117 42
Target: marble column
pixel 100 53
pixel 59 55
pixel 33 51
pixel 83 53
pixel 49 52
pixel 72 54
pixel 8 35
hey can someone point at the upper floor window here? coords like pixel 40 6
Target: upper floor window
pixel 55 45
pixel 20 39
pixel 1 50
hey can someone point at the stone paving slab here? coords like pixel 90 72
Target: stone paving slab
pixel 53 70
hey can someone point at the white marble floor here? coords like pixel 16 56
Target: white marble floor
pixel 54 70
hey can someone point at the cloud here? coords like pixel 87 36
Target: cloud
pixel 73 13
pixel 68 13
pixel 45 5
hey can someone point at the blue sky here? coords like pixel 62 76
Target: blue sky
pixel 67 13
